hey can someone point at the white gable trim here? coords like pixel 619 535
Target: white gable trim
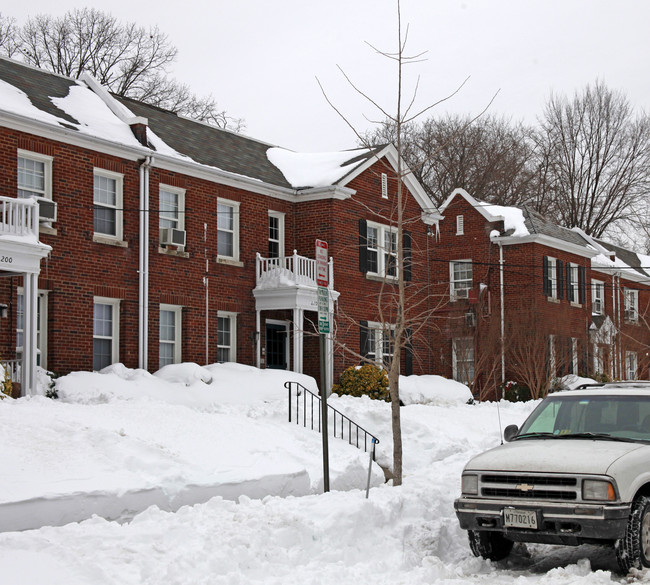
pixel 480 207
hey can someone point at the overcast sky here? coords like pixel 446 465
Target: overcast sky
pixel 261 58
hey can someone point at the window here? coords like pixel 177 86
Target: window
pixel 107 200
pixel 460 279
pixel 381 250
pixel 169 351
pixel 228 229
pixel 463 360
pixel 171 204
pixel 631 305
pixel 552 363
pixel 573 364
pixel 105 332
pixel 460 225
pixel 41 326
pixel 276 234
pixel 34 175
pixel 226 337
pixel 572 288
pixel 597 297
pixel 553 274
pixel 377 341
pixel 630 365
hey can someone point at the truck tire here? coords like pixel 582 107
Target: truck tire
pixel 633 550
pixel 489 545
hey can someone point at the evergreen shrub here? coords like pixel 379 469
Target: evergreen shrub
pixel 367 380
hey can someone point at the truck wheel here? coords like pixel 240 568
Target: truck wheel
pixel 633 550
pixel 489 545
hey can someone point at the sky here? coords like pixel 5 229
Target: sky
pixel 193 475
pixel 263 60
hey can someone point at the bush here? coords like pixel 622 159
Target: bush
pixel 515 392
pixel 6 385
pixel 367 380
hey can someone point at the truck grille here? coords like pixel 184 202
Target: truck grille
pixel 529 487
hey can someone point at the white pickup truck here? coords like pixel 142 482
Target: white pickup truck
pixel 577 471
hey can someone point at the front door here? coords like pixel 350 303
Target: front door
pixel 276 346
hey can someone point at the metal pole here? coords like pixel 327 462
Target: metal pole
pixel 372 458
pixel 323 401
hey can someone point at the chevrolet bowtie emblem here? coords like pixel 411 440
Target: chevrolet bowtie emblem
pixel 524 487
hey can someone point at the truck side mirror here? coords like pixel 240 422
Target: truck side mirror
pixel 509 432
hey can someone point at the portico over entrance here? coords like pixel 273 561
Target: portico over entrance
pixel 288 283
pixel 21 253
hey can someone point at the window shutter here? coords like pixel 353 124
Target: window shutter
pixel 546 283
pixel 363 345
pixel 582 285
pixel 406 245
pixel 569 284
pixel 560 278
pixel 363 245
pixel 408 353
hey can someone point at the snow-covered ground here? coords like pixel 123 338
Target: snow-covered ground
pixel 237 490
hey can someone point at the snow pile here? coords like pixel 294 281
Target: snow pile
pixel 123 428
pixel 431 389
pixel 319 169
pixel 513 218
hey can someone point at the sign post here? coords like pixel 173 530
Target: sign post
pixel 322 279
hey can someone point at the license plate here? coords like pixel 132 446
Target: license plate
pixel 513 518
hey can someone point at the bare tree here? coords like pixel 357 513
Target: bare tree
pixel 595 157
pixel 8 36
pixel 130 60
pixel 490 157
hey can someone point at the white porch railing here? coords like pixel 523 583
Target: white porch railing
pixel 10 369
pixel 18 217
pixel 288 271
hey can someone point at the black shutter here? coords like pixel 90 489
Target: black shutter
pixel 406 246
pixel 408 353
pixel 560 278
pixel 569 283
pixel 582 285
pixel 363 245
pixel 546 283
pixel 363 345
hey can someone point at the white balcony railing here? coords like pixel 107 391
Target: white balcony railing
pixel 18 217
pixel 288 271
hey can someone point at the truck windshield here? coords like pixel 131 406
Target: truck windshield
pixel 623 417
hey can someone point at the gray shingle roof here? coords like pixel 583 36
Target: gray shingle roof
pixel 538 224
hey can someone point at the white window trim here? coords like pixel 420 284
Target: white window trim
pixel 552 362
pixel 460 225
pixel 552 276
pixel 597 297
pixel 280 216
pixel 631 305
pixel 631 358
pixel 47 170
pixel 233 333
pixel 381 260
pixel 455 359
pixel 574 355
pixel 453 289
pixel 378 353
pixel 115 326
pixel 119 203
pixel 180 224
pixel 235 226
pixel 574 280
pixel 177 310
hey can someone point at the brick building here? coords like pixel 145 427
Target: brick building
pixel 562 302
pixel 166 240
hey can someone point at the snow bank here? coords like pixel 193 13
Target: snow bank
pixel 431 389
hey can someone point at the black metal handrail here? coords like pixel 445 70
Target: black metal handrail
pixel 311 417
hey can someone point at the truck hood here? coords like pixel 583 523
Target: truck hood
pixel 553 456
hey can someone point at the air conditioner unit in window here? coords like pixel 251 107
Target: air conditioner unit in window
pixel 461 293
pixel 470 319
pixel 172 237
pixel 46 210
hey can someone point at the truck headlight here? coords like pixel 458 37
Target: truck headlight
pixel 597 489
pixel 469 484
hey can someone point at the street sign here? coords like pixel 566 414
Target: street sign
pixel 323 310
pixel 322 276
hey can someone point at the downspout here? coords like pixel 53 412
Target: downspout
pixel 494 237
pixel 143 272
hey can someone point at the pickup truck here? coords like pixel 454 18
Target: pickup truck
pixel 577 471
